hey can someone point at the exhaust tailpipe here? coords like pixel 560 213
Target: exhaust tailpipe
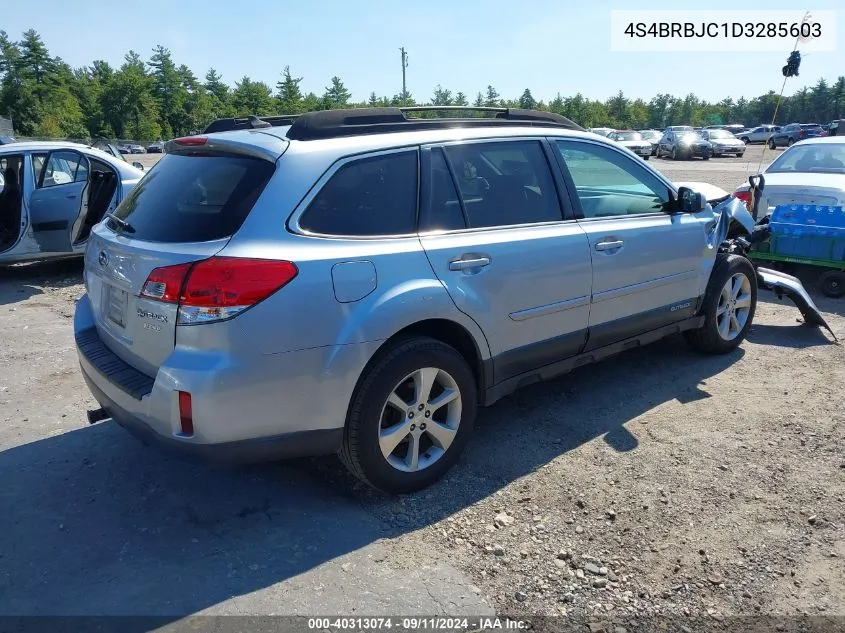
pixel 97 415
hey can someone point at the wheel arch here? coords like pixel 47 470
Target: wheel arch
pixel 474 350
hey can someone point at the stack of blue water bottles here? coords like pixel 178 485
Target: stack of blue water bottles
pixel 808 231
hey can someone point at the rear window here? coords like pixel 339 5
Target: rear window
pixel 193 198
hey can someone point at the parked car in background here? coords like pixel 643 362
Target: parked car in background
pixel 683 143
pixel 5 140
pixel 724 142
pixel 53 194
pixel 124 149
pixel 679 128
pixel 156 148
pixel 633 141
pixel 808 172
pixel 793 133
pixel 399 322
pixel 601 131
pixel 134 148
pixel 759 134
pixel 653 137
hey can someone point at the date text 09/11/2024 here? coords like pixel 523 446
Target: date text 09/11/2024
pixel 724 29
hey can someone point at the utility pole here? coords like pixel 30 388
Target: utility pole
pixel 404 66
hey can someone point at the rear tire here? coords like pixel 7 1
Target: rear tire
pixel 772 144
pixel 790 142
pixel 745 140
pixel 832 283
pixel 728 308
pixel 674 153
pixel 398 392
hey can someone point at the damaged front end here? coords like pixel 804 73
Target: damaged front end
pixel 735 231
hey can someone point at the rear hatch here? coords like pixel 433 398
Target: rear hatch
pixel 184 210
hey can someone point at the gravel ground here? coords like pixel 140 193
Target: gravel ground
pixel 659 484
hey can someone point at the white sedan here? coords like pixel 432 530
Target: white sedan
pixel 809 172
pixel 52 193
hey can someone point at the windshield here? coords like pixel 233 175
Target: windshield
pixel 629 136
pixel 690 137
pixel 720 134
pixel 651 134
pixel 828 158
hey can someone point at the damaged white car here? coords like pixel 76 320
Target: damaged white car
pixel 52 193
pixel 734 231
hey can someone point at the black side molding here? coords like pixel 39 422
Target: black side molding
pixel 118 372
pixel 553 370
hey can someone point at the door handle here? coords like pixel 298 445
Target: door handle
pixel 463 264
pixel 609 246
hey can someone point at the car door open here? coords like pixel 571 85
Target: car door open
pixel 646 263
pixel 58 203
pixel 492 228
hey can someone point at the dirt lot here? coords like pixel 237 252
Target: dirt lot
pixel 660 483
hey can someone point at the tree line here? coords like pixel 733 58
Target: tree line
pixel 158 99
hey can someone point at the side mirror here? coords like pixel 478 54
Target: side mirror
pixel 690 201
pixel 138 165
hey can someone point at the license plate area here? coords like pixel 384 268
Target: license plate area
pixel 114 302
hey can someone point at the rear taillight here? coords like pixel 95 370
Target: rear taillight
pixel 217 288
pixel 745 196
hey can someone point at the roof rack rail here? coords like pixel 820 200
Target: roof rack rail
pixel 325 124
pixel 250 122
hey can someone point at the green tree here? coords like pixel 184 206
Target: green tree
pixel 479 100
pixel 169 92
pixel 252 97
pixel 130 108
pixel 492 99
pixel 461 99
pixel 442 96
pixel 527 101
pixel 336 95
pixel 35 61
pixel 288 93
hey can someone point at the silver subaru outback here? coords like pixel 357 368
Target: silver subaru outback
pixel 361 281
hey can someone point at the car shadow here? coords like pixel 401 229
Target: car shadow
pixel 19 282
pixel 95 523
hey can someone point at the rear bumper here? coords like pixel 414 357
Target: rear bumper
pixel 246 408
pixel 285 446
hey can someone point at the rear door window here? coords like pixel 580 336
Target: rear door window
pixel 367 197
pixel 193 198
pixel 503 183
pixel 62 168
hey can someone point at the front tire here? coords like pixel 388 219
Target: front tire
pixel 745 140
pixel 674 154
pixel 790 142
pixel 728 308
pixel 411 416
pixel 772 144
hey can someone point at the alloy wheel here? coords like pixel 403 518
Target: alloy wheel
pixel 420 419
pixel 734 306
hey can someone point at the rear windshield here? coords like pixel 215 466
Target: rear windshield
pixel 193 198
pixel 629 136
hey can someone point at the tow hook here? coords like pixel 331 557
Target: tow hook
pixel 97 415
